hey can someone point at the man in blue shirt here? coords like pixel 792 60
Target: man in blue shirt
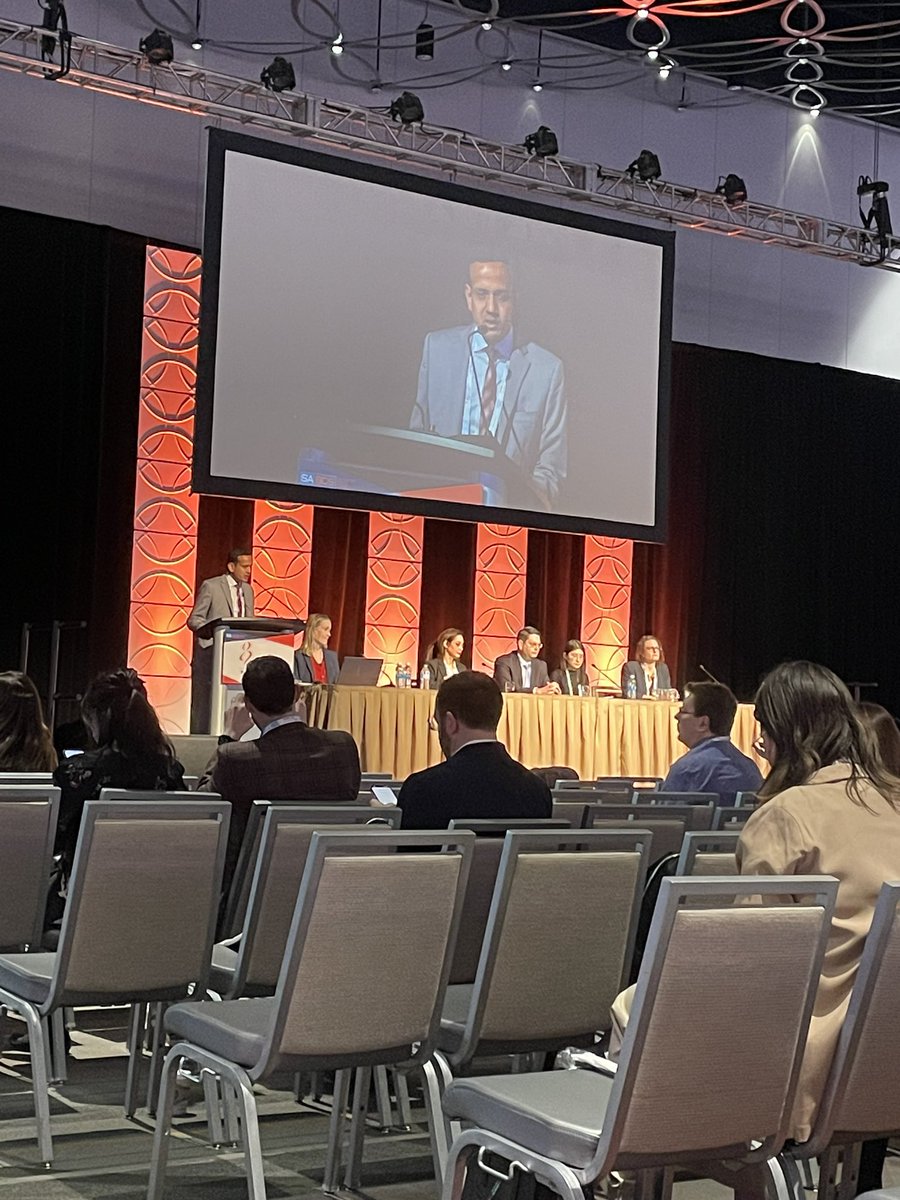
pixel 713 763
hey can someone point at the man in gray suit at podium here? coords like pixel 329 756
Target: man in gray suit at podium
pixel 476 380
pixel 228 595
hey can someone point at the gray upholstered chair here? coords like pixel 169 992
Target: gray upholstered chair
pixel 338 1003
pixel 28 816
pixel 705 853
pixel 628 783
pixel 138 925
pixel 675 798
pixel 731 819
pixel 745 799
pixel 25 778
pixel 555 953
pixel 669 822
pixel 710 1060
pixel 861 1100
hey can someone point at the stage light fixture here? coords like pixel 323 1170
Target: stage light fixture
pixel 537 86
pixel 337 46
pixel 425 42
pixel 157 48
pixel 487 25
pixel 665 71
pixel 279 75
pixel 641 14
pixel 652 55
pixel 507 66
pixel 733 188
pixel 542 143
pixel 879 213
pixel 645 166
pixel 407 109
pixel 196 44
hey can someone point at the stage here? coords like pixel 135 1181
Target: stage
pixel 595 736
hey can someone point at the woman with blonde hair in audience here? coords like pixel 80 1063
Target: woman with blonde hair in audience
pixel 25 742
pixel 829 806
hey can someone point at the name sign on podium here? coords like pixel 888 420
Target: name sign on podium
pixel 239 649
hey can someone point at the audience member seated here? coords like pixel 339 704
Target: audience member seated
pixel 571 675
pixel 479 780
pixel 314 662
pixel 880 722
pixel 131 752
pixel 289 761
pixel 827 807
pixel 713 763
pixel 444 661
pixel 25 742
pixel 648 669
pixel 522 670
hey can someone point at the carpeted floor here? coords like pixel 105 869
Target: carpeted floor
pixel 99 1155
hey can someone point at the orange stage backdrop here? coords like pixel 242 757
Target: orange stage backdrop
pixel 165 536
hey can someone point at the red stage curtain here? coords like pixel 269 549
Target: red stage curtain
pixel 448 582
pixel 553 589
pixel 337 577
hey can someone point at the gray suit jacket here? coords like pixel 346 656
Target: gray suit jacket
pixel 508 669
pixel 532 429
pixel 214 603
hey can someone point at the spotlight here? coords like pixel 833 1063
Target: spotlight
pixel 537 86
pixel 652 55
pixel 279 75
pixel 157 48
pixel 733 188
pixel 487 25
pixel 542 143
pixel 665 72
pixel 645 166
pixel 425 42
pixel 507 66
pixel 407 109
pixel 641 14
pixel 337 46
pixel 196 44
pixel 879 212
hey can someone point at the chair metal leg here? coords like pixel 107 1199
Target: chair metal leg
pixel 212 1096
pixel 160 1153
pixel 828 1167
pixel 136 1020
pixel 39 1081
pixel 357 1127
pixel 436 1124
pixel 383 1098
pixel 230 1115
pixel 849 1170
pixel 336 1131
pixel 401 1092
pixel 253 1162
pixel 59 1072
pixel 157 1053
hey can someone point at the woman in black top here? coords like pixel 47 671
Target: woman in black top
pixel 571 674
pixel 131 752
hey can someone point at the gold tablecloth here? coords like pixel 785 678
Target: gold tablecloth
pixel 595 736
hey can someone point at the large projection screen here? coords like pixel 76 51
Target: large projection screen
pixel 379 340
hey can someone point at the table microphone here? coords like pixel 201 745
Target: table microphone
pixel 709 675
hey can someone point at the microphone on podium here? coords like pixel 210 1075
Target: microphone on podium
pixel 709 675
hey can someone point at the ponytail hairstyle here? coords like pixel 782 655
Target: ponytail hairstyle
pixel 116 712
pixel 25 742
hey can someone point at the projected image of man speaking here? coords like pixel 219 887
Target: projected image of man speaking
pixel 479 380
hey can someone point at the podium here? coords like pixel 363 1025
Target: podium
pixel 407 462
pixel 235 642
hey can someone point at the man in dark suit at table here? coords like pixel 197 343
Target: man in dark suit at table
pixel 479 780
pixel 290 760
pixel 522 670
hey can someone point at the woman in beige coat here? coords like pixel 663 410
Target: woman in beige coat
pixel 829 806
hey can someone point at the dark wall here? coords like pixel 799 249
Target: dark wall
pixel 784 509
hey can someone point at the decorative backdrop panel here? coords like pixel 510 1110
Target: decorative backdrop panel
pixel 606 607
pixel 394 590
pixel 165 510
pixel 501 553
pixel 282 547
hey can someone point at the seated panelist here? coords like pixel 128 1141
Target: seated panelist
pixel 571 674
pixel 648 669
pixel 445 660
pixel 522 670
pixel 314 662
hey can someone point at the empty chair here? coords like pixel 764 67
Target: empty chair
pixel 311 817
pixel 570 811
pixel 555 952
pixel 708 854
pixel 354 989
pixel 638 797
pixel 861 1100
pixel 138 924
pixel 745 799
pixel 23 778
pixel 592 795
pixel 731 818
pixel 628 783
pixel 669 1101
pixel 194 751
pixel 28 817
pixel 669 823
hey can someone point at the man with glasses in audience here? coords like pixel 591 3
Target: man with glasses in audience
pixel 479 780
pixel 522 670
pixel 713 763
